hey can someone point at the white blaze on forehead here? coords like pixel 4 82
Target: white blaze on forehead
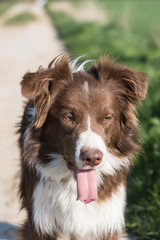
pixel 89 123
pixel 90 139
pixel 85 86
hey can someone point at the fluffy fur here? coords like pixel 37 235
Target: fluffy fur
pixel 71 112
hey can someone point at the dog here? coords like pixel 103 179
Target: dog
pixel 77 138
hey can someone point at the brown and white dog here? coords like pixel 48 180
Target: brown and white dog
pixel 78 135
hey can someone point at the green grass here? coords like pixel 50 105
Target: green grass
pixel 6 5
pixel 21 18
pixel 95 39
pixel 132 35
pixel 75 3
pixel 140 16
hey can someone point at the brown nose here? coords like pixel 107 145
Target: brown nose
pixel 91 157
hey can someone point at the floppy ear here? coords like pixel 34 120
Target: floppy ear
pixel 40 85
pixel 132 84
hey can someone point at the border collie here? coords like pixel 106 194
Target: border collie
pixel 78 135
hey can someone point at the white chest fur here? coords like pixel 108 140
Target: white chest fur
pixel 54 203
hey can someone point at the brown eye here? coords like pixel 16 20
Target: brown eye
pixel 70 119
pixel 107 119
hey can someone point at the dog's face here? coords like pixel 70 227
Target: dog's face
pixel 87 117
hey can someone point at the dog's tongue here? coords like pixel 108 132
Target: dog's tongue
pixel 86 185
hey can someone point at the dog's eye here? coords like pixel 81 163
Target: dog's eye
pixel 70 119
pixel 107 119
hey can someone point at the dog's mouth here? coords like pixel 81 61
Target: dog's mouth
pixel 86 183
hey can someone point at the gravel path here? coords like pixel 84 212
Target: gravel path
pixel 23 48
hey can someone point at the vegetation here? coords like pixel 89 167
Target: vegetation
pixel 132 34
pixel 20 18
pixel 4 6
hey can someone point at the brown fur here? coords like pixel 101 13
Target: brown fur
pixel 62 106
pixel 111 184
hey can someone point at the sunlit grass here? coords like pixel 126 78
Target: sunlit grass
pixel 21 18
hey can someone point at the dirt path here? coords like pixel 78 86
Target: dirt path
pixel 22 48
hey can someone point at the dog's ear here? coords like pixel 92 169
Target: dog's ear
pixel 132 84
pixel 39 86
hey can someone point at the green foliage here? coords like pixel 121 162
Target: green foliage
pixel 21 18
pixel 132 33
pixel 6 5
pixel 144 185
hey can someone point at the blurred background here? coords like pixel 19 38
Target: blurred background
pixel 32 33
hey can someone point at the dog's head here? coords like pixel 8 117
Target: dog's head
pixel 87 116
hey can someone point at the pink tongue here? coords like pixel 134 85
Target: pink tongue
pixel 86 185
